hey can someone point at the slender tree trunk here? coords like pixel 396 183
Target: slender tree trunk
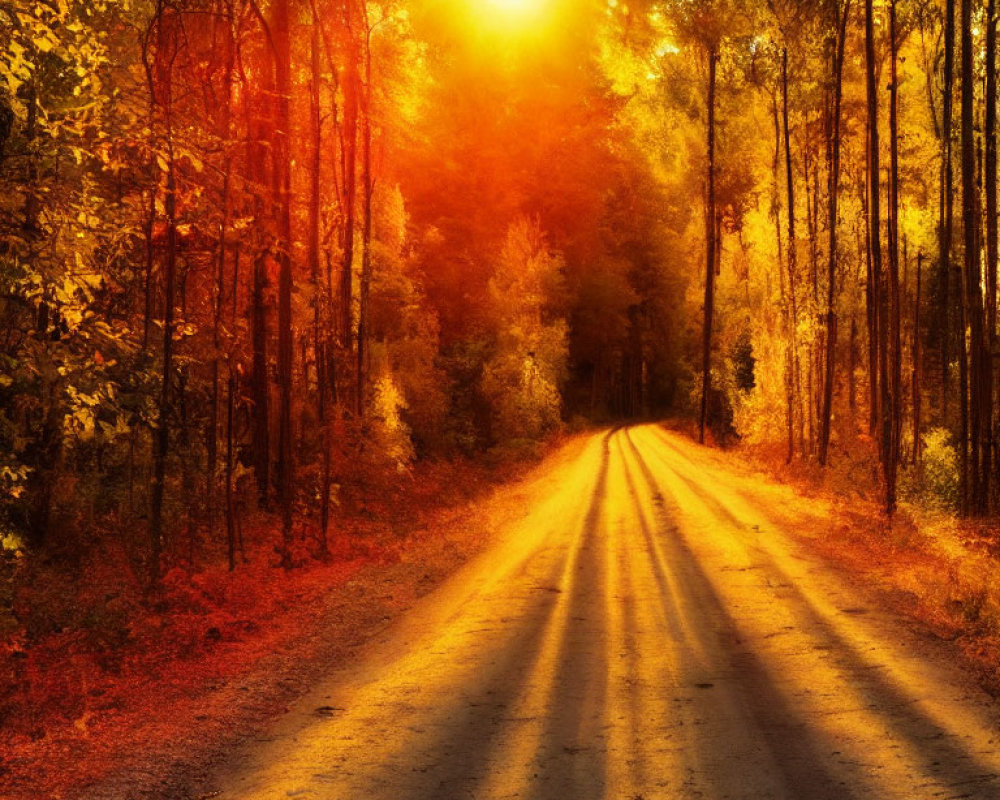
pixel 260 391
pixel 970 307
pixel 349 132
pixel 812 225
pixel 977 352
pixel 286 353
pixel 366 229
pixel 917 366
pixel 945 229
pixel 990 186
pixel 793 267
pixel 328 368
pixel 871 303
pixel 313 241
pixel 225 132
pixel 817 347
pixel 710 213
pixel 970 273
pixel 895 339
pixel 833 194
pixel 230 505
pixel 319 337
pixel 232 385
pixel 786 306
pixel 259 120
pixel 885 410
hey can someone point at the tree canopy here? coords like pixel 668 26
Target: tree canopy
pixel 250 246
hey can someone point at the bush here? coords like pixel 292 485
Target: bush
pixel 390 432
pixel 938 484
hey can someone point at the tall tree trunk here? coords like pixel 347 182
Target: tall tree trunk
pixel 259 381
pixel 231 519
pixel 885 410
pixel 970 276
pixel 366 229
pixel 917 366
pixel 225 132
pixel 833 194
pixel 977 357
pixel 990 187
pixel 330 333
pixel 947 216
pixel 793 268
pixel 259 121
pixel 871 301
pixel 283 179
pixel 812 223
pixel 319 337
pixel 230 504
pixel 786 305
pixel 895 339
pixel 313 233
pixel 349 132
pixel 710 244
pixel 970 272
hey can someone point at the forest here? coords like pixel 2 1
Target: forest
pixel 263 262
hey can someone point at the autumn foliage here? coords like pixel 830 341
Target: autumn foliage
pixel 262 259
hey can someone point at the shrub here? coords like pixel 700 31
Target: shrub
pixel 938 484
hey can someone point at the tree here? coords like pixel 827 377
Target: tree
pixel 886 446
pixel 971 298
pixel 947 214
pixel 710 247
pixel 840 16
pixel 792 256
pixel 990 186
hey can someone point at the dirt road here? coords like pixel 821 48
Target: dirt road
pixel 646 629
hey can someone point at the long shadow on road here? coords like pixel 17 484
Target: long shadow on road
pixel 792 750
pixel 941 757
pixel 476 740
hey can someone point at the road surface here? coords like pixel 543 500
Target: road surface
pixel 645 629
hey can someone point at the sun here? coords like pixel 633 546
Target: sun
pixel 511 20
pixel 513 7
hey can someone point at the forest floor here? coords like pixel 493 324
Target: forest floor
pixel 137 700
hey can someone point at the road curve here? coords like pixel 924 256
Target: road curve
pixel 645 630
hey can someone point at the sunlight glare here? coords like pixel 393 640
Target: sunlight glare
pixel 513 8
